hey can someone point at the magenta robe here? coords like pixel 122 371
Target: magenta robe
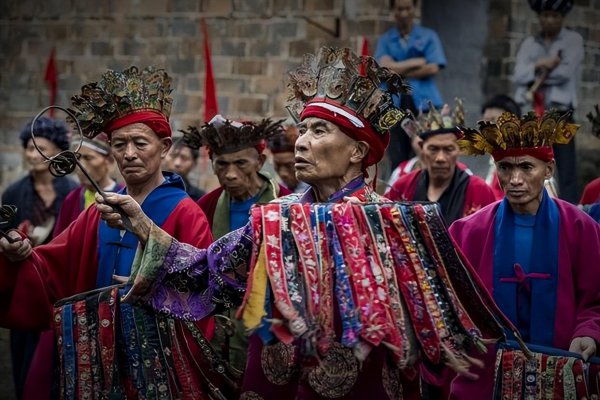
pixel 578 299
pixel 66 266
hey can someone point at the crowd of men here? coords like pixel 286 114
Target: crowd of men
pixel 200 258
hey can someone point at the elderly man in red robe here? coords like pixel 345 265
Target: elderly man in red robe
pixel 325 320
pixel 537 255
pixel 89 253
pixel 443 179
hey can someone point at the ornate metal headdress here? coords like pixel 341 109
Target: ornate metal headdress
pixel 334 74
pixel 223 136
pixel 441 121
pixel 510 132
pixel 595 120
pixel 118 94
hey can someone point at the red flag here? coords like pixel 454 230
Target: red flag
pixel 364 51
pixel 51 77
pixel 211 107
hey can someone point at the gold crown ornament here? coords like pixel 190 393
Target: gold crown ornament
pixel 333 75
pixel 223 136
pixel 118 94
pixel 510 132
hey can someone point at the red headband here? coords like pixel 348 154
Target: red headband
pixel 154 120
pixel 351 124
pixel 544 153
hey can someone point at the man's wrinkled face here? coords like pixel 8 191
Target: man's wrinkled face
pixel 238 172
pixel 284 166
pixel 522 179
pixel 323 151
pixel 138 152
pixel 404 12
pixel 439 154
pixel 180 160
pixel 551 22
pixel 33 158
pixel 97 165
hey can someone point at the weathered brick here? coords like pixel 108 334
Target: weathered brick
pixel 320 27
pixel 133 48
pixel 285 7
pixel 259 7
pixel 182 66
pixel 183 5
pixel 283 29
pixel 101 48
pixel 249 30
pixel 183 28
pixel 356 28
pixel 248 66
pixel 268 85
pixel 232 47
pixel 217 7
pixel 222 66
pixel 230 85
pixel 251 105
pixel 298 48
pixel 267 49
pixel 320 5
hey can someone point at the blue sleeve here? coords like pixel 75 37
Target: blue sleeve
pixel 382 47
pixel 434 51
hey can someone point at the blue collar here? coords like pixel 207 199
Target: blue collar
pixel 540 282
pixel 116 252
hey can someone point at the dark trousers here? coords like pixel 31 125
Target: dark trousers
pixel 566 162
pixel 400 149
pixel 22 347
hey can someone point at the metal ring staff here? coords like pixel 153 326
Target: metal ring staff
pixel 65 162
pixel 7 212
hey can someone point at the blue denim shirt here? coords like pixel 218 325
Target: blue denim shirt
pixel 421 42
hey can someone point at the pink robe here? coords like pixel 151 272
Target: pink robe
pixel 578 300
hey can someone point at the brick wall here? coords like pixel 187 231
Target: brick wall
pixel 253 43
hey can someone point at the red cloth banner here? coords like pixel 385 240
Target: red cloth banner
pixel 51 77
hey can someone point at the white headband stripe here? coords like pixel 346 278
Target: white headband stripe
pixel 94 147
pixel 355 121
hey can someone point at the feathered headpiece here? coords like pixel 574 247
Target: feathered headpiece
pixel 123 98
pixel 511 136
pixel 222 136
pixel 329 86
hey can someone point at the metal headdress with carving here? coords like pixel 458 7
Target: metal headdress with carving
pixel 513 136
pixel 334 74
pixel 446 120
pixel 331 86
pixel 105 105
pixel 222 136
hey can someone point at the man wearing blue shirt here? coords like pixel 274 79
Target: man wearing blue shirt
pixel 416 53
